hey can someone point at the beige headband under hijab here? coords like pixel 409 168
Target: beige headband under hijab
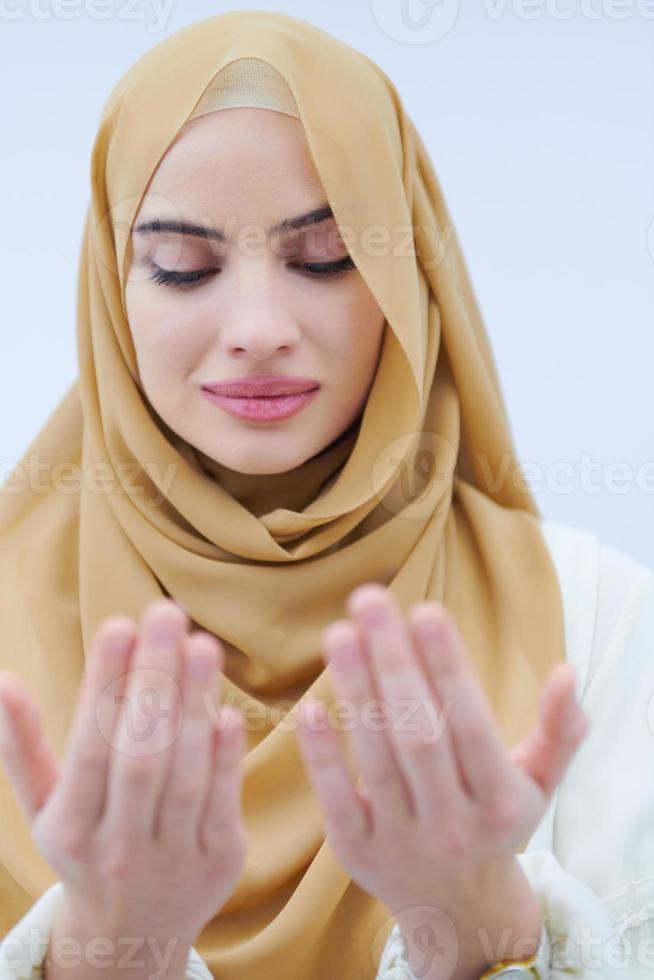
pixel 247 82
pixel 423 493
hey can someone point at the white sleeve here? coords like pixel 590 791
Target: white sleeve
pixel 23 949
pixel 603 830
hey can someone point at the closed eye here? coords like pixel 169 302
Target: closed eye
pixel 185 280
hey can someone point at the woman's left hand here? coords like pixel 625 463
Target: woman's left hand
pixel 445 805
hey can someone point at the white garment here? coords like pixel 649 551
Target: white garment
pixel 590 861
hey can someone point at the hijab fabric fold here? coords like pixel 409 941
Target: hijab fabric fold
pixel 405 497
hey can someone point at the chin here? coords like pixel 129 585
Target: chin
pixel 264 467
pixel 260 463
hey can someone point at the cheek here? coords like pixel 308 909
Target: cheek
pixel 362 331
pixel 351 301
pixel 166 346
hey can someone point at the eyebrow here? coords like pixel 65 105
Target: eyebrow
pixel 183 227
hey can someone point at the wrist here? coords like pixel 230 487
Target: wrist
pixel 112 920
pixel 444 945
pixel 436 952
pixel 80 948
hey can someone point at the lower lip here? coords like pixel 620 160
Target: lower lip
pixel 263 409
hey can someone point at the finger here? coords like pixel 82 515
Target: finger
pixel 352 678
pixel 441 711
pixel 546 753
pixel 480 752
pixel 81 794
pixel 425 759
pixel 348 820
pixel 30 762
pixel 147 723
pixel 188 780
pixel 221 820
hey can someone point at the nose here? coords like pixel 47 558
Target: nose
pixel 258 342
pixel 259 322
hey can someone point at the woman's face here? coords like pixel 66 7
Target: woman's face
pixel 256 311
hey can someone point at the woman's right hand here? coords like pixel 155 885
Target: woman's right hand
pixel 142 821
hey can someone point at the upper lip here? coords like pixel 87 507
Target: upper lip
pixel 254 387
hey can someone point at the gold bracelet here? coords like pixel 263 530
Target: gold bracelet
pixel 536 967
pixel 512 970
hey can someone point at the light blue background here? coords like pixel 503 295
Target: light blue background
pixel 538 118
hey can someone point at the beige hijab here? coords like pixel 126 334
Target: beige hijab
pixel 405 497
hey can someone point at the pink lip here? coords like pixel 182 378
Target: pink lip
pixel 262 385
pixel 273 409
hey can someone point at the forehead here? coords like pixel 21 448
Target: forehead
pixel 238 148
pixel 233 168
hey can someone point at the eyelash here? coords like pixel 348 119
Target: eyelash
pixel 183 280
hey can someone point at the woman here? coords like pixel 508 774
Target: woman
pixel 357 540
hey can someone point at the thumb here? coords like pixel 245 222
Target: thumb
pixel 546 753
pixel 30 762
